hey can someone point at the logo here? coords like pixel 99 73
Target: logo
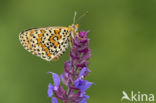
pixel 137 96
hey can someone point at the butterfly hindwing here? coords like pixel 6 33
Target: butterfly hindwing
pixel 48 43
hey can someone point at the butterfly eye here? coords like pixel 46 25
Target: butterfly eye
pixel 76 26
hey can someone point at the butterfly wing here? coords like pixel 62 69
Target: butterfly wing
pixel 48 43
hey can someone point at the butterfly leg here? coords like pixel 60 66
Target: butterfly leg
pixel 71 42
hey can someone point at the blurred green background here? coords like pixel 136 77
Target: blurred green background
pixel 122 40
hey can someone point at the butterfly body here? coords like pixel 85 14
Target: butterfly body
pixel 49 43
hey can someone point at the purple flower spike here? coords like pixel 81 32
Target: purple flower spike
pixel 54 100
pixel 75 71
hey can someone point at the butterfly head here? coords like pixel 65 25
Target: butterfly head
pixel 73 28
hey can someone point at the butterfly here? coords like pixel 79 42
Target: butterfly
pixel 49 43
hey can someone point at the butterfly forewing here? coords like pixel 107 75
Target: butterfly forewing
pixel 48 43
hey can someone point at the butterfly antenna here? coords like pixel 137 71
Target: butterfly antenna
pixel 75 13
pixel 82 16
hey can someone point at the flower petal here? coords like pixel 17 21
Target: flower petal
pixel 82 72
pixel 88 84
pixel 84 100
pixel 50 86
pixel 54 100
pixel 50 93
pixel 82 84
pixel 50 90
pixel 56 79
